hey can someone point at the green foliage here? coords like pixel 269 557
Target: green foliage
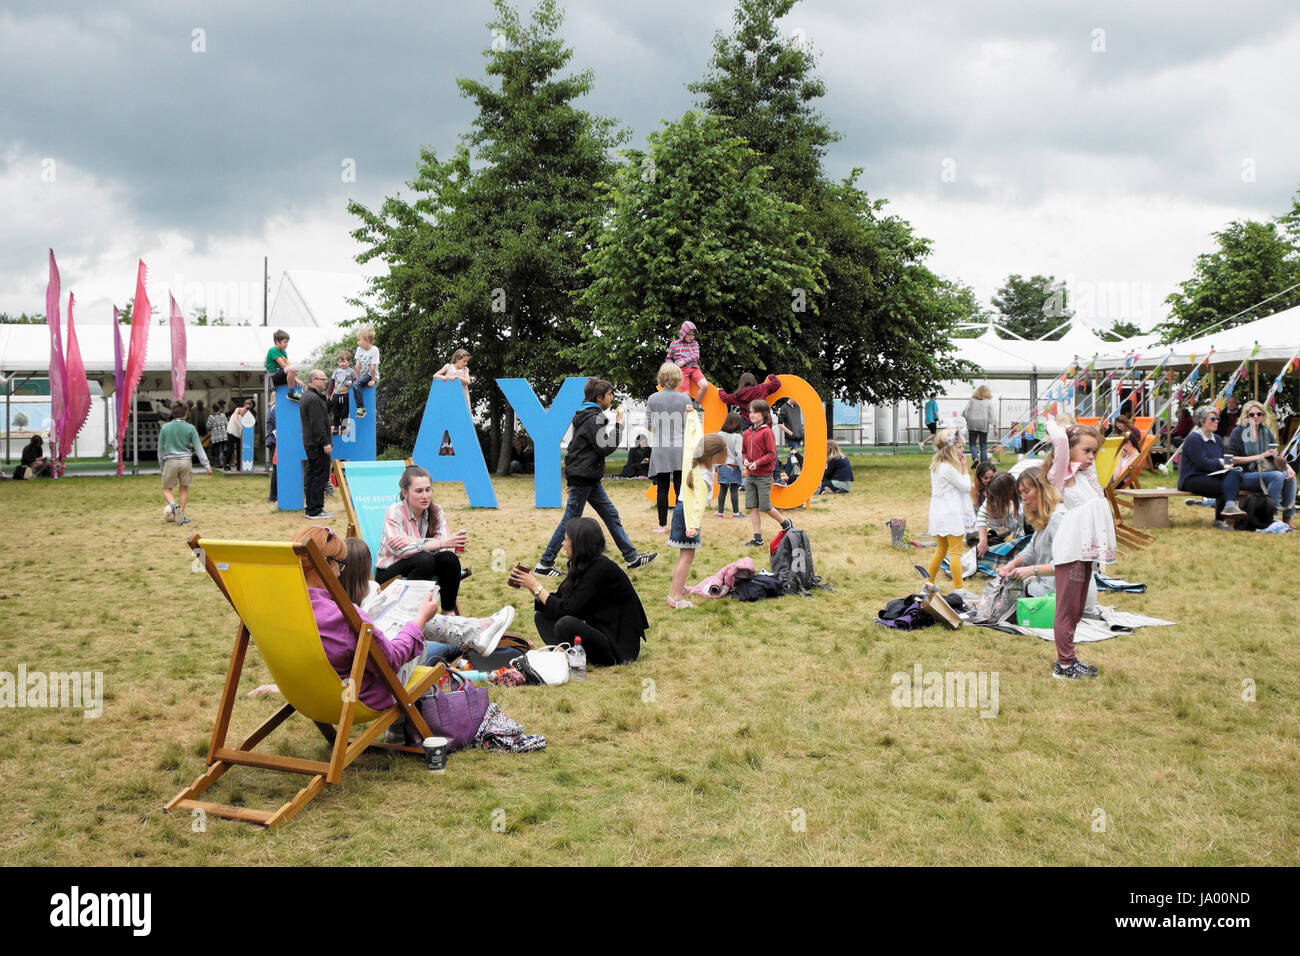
pixel 22 318
pixel 1252 261
pixel 1033 307
pixel 693 234
pixel 487 255
pixel 1122 329
pixel 879 327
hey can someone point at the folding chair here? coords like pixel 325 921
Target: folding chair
pixel 367 489
pixel 265 584
pixel 1106 458
pixel 1129 477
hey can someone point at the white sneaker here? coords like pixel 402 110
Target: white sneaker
pixel 485 642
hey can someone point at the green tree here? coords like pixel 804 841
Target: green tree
pixel 879 328
pixel 488 254
pixel 1033 307
pixel 693 234
pixel 1123 329
pixel 22 318
pixel 19 419
pixel 1251 262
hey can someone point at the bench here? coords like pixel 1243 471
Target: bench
pixel 1151 505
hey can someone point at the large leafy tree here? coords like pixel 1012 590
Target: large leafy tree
pixel 1251 262
pixel 694 234
pixel 1033 307
pixel 488 253
pixel 879 329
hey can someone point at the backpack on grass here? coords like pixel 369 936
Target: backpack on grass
pixel 792 563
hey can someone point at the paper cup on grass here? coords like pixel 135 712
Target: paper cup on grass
pixel 435 754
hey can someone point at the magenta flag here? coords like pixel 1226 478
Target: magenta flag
pixel 141 313
pixel 178 351
pixel 119 377
pixel 78 404
pixel 58 381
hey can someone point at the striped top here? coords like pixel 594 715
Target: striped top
pixel 404 536
pixel 684 354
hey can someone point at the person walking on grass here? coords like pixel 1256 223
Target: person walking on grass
pixel 951 514
pixel 217 433
pixel 178 440
pixel 931 419
pixel 666 414
pixel 687 515
pixel 1086 536
pixel 584 467
pixel 314 414
pixel 758 461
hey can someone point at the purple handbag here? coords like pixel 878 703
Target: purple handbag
pixel 455 715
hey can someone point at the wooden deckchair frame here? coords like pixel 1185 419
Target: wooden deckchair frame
pixel 343 750
pixel 1126 536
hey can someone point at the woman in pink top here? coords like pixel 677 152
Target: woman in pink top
pixel 336 635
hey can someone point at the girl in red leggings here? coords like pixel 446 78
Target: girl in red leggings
pixel 1086 536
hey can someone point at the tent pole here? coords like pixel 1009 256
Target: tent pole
pixel 9 390
pixel 895 428
pixel 135 436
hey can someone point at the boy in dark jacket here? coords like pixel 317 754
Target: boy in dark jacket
pixel 758 461
pixel 584 467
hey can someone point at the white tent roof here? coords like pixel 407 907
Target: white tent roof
pixel 1017 358
pixel 1278 337
pixel 310 299
pixel 26 348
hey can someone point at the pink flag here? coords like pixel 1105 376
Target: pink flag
pixel 119 377
pixel 141 313
pixel 58 382
pixel 178 351
pixel 78 406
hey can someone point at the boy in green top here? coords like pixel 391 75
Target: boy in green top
pixel 278 367
pixel 177 440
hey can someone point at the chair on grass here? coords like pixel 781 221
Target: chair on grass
pixel 264 583
pixel 1127 536
pixel 1106 457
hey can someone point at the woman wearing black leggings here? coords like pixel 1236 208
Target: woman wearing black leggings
pixel 416 543
pixel 595 602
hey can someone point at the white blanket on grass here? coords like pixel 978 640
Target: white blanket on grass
pixel 1112 623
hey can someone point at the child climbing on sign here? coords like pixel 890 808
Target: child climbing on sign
pixel 697 490
pixel 685 354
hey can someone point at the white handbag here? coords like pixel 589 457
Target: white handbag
pixel 546 665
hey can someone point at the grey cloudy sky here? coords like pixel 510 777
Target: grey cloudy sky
pixel 1103 157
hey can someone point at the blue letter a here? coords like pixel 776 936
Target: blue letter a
pixel 445 410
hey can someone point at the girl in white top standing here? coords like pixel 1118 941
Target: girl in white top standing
pixel 951 514
pixel 1086 535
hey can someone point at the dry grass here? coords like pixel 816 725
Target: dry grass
pixel 757 711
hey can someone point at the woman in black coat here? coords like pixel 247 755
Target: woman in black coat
pixel 596 600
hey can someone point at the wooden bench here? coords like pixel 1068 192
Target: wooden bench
pixel 1151 505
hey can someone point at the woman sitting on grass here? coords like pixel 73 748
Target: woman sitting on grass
pixel 1043 509
pixel 999 518
pixel 595 602
pixel 838 476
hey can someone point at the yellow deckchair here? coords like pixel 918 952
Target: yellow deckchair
pixel 264 583
pixel 1106 457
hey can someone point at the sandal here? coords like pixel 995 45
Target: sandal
pixel 679 605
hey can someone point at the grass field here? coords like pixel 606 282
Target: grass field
pixel 746 733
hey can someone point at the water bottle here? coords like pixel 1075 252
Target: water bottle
pixel 577 661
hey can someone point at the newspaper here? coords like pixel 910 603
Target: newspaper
pixel 396 605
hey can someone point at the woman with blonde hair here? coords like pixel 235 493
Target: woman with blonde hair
pixel 951 514
pixel 666 418
pixel 1254 448
pixel 709 454
pixel 979 420
pixel 838 476
pixel 1042 507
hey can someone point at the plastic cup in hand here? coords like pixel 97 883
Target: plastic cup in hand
pixel 460 546
pixel 435 754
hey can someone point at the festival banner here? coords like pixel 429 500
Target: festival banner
pixel 178 351
pixel 141 312
pixel 77 408
pixel 58 382
pixel 119 377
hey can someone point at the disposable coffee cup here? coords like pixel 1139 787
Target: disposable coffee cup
pixel 460 548
pixel 435 754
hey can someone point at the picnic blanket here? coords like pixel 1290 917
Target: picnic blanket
pixel 1108 623
pixel 996 556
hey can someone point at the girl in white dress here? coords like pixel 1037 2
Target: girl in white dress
pixel 1086 535
pixel 951 515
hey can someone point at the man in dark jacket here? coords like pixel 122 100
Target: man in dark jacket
pixel 314 412
pixel 584 467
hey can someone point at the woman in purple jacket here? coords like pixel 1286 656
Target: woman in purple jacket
pixel 336 635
